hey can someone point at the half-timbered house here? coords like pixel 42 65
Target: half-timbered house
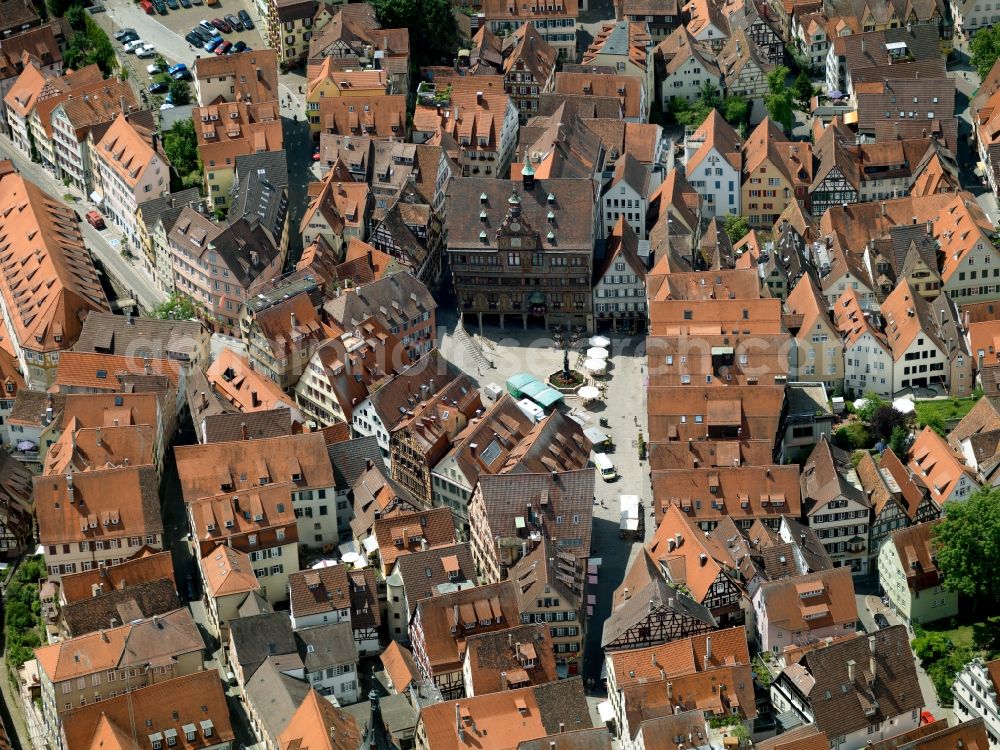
pixel 898 498
pixel 702 565
pixel 762 29
pixel 647 610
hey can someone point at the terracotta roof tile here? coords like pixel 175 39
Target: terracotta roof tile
pixel 811 602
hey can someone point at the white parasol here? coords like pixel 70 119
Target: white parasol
pixel 599 341
pixel 596 365
pixel 589 393
pixel 597 353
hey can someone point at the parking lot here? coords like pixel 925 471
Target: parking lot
pixel 166 33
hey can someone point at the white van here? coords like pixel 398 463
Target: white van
pixel 605 467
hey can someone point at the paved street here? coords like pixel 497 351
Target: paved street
pixel 104 244
pixel 514 351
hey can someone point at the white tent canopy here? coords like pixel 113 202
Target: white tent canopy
pixel 596 352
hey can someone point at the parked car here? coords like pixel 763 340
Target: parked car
pixel 212 44
pixel 133 45
pixel 158 88
pixel 174 68
pixel 185 3
pixel 207 26
pixel 240 46
pixel 130 37
pixel 172 4
pixel 122 35
pixel 148 7
pixel 147 50
pixel 211 2
pixel 245 18
pixel 201 34
pixel 182 75
pixel 160 8
pixel 193 39
pixel 234 22
pixel 95 9
pixel 221 25
pixel 153 69
pixel 197 2
pixel 881 621
pixel 223 48
pixel 95 219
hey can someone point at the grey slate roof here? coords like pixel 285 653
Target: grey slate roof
pixel 414 566
pixel 235 243
pixel 120 606
pixel 221 428
pixel 168 207
pixel 261 189
pixel 106 333
pixel 350 459
pixel 255 639
pixel 654 594
pixel 326 646
pixel 276 697
pixel 393 301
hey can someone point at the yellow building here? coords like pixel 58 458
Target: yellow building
pixel 778 172
pixel 331 83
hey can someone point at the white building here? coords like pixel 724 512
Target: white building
pixel 330 658
pixel 975 690
pixel 130 173
pixel 626 196
pixel 686 66
pixel 713 162
pixel 620 286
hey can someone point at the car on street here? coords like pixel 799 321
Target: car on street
pixel 240 46
pixel 95 219
pixel 207 26
pixel 158 88
pixel 95 9
pixel 221 25
pixel 197 2
pixel 194 39
pixel 212 44
pixel 185 3
pixel 223 48
pixel 881 621
pixel 122 35
pixel 245 18
pixel 130 37
pixel 233 21
pixel 147 50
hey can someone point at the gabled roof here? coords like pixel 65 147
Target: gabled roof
pixel 400 666
pixel 227 571
pixel 828 475
pixel 815 601
pixel 320 725
pixel 938 465
pixel 718 135
pixel 505 659
pixel 180 707
pixel 49 282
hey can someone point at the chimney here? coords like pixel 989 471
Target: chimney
pixel 479 98
pixel 677 540
pixel 244 435
pixel 670 692
pixel 703 558
pixel 204 400
pixel 147 366
pixel 104 637
pixel 850 670
pixel 294 323
pixel 458 724
pixel 708 651
pixel 253 399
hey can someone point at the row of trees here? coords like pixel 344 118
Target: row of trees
pixel 22 612
pixel 88 44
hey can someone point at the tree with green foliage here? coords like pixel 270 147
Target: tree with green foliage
pixel 941 659
pixel 734 109
pixel 899 442
pixel 22 612
pixel 803 91
pixel 59 8
pixel 736 227
pixel 852 436
pixel 175 307
pixel 180 92
pixel 779 98
pixel 431 24
pixel 884 422
pixel 90 45
pixel 968 544
pixel 985 50
pixel 872 403
pixel 180 144
pixel 76 16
